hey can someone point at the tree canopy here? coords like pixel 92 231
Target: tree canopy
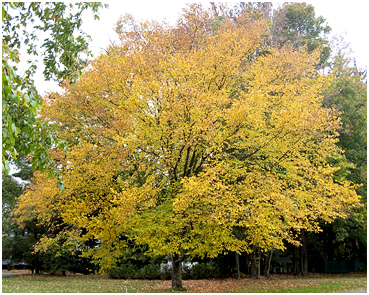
pixel 296 23
pixel 190 140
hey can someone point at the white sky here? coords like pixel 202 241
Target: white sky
pixel 350 17
pixel 341 16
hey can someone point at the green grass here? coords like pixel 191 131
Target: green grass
pixel 102 284
pixel 310 284
pixel 72 284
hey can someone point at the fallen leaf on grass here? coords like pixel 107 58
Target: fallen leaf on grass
pixel 227 285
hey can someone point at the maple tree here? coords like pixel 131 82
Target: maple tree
pixel 187 140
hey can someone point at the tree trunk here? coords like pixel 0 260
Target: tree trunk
pixel 176 271
pixel 259 262
pixel 296 269
pixel 254 268
pixel 268 260
pixel 247 264
pixel 238 266
pixel 37 267
pixel 304 258
pixel 36 264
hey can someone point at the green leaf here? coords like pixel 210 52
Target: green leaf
pixel 5 166
pixel 15 129
pixel 14 98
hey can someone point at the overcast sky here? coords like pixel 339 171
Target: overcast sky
pixel 341 16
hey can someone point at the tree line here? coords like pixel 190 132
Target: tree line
pixel 237 132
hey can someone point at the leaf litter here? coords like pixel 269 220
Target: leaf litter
pixel 228 285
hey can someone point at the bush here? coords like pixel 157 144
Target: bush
pixel 150 272
pixel 130 271
pixel 154 271
pixel 206 270
pixel 186 271
pixel 125 271
pixel 165 272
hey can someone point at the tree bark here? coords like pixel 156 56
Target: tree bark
pixel 259 262
pixel 296 269
pixel 238 266
pixel 268 260
pixel 304 258
pixel 176 271
pixel 248 264
pixel 254 268
pixel 37 266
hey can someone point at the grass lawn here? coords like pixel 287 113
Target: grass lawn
pixel 318 283
pixel 315 283
pixel 72 284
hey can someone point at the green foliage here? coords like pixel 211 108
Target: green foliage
pixel 19 247
pixel 206 270
pixel 166 272
pixel 23 23
pixel 125 271
pixel 62 256
pixel 23 132
pixel 131 271
pixel 151 272
pixel 347 94
pixel 128 270
pixel 17 244
pixel 297 24
pixel 134 264
pixel 10 190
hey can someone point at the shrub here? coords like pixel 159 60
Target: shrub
pixel 125 271
pixel 130 271
pixel 205 271
pixel 165 272
pixel 150 272
pixel 154 271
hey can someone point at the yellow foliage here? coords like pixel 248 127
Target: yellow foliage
pixel 186 139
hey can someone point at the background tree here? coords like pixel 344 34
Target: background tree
pixel 348 95
pixel 296 24
pixel 17 243
pixel 10 190
pixel 23 132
